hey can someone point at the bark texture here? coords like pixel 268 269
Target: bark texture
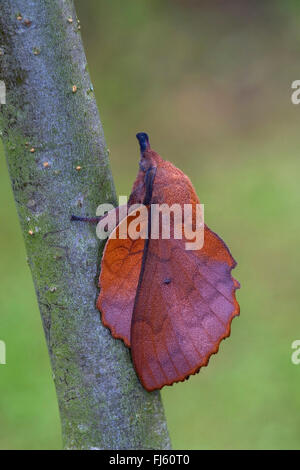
pixel 58 163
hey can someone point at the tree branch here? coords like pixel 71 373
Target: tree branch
pixel 58 163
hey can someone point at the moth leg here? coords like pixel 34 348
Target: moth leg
pixel 90 220
pixel 96 219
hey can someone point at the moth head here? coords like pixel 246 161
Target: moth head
pixel 149 158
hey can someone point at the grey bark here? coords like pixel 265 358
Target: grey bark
pixel 49 129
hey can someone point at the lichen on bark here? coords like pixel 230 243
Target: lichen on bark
pixel 49 128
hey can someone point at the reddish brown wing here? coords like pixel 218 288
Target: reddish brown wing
pixel 120 270
pixel 183 309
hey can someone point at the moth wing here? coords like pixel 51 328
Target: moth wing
pixel 183 309
pixel 120 270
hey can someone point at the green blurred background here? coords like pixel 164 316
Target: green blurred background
pixel 210 81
